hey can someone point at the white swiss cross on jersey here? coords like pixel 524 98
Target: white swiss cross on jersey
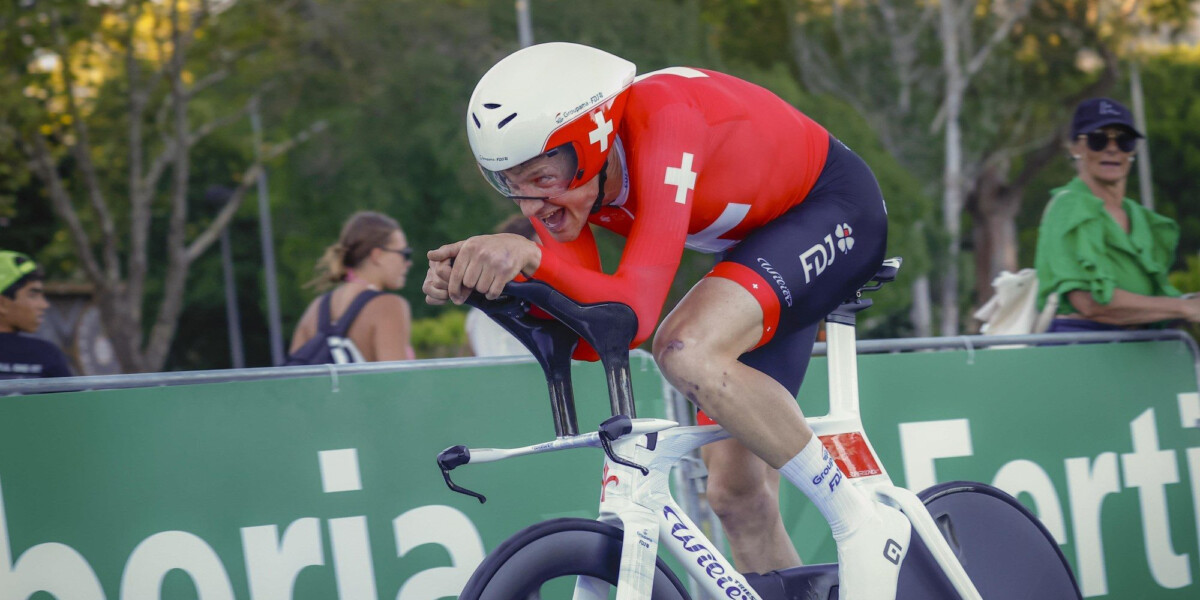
pixel 683 178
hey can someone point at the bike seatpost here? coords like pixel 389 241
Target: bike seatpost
pixel 842 357
pixel 841 339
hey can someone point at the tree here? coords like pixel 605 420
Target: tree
pixel 908 68
pixel 972 95
pixel 108 103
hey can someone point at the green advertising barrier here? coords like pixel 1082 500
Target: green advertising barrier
pixel 321 487
pixel 291 488
pixel 1101 441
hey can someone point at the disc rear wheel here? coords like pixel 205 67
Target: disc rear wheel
pixel 1003 547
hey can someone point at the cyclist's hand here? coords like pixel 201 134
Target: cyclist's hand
pixel 486 263
pixel 437 280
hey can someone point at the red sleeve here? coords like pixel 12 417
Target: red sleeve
pixel 663 170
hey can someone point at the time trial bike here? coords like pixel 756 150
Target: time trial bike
pixel 971 540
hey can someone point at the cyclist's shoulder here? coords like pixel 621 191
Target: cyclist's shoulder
pixel 683 89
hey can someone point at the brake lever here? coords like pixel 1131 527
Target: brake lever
pixel 613 428
pixel 448 460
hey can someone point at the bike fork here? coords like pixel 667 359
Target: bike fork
pixel 641 505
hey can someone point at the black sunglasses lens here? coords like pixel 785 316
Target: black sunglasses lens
pixel 407 253
pixel 1097 141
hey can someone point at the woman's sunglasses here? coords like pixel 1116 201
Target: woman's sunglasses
pixel 1097 141
pixel 405 252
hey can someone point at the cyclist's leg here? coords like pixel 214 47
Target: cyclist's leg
pixel 723 314
pixel 697 348
pixel 743 491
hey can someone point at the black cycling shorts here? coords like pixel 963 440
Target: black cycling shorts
pixel 813 258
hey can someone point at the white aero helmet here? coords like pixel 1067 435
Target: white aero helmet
pixel 544 97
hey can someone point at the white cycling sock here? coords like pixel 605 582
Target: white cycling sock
pixel 818 476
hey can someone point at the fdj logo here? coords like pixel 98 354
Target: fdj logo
pixel 828 467
pixel 820 256
pixel 845 242
pixel 837 475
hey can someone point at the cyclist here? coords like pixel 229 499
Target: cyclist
pixel 693 158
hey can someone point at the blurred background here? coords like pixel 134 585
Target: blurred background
pixel 179 166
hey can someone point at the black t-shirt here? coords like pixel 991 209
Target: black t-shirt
pixel 24 357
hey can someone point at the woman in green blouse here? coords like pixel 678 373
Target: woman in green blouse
pixel 1104 256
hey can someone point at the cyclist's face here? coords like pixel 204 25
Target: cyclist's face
pixel 539 187
pixel 564 216
pixel 1110 164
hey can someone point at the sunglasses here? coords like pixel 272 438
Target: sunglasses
pixel 1097 141
pixel 405 252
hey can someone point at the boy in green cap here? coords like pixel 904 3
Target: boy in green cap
pixel 22 305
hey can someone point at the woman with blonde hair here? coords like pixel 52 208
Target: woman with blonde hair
pixel 357 321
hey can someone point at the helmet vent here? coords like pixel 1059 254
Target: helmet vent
pixel 506 120
pixel 478 125
pixel 492 105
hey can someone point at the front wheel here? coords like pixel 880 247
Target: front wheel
pixel 559 548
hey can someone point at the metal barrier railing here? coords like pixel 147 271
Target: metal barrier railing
pixel 144 380
pixel 967 342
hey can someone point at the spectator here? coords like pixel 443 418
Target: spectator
pixel 485 336
pixel 357 321
pixel 22 306
pixel 1101 256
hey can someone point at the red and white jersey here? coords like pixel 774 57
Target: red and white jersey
pixel 710 158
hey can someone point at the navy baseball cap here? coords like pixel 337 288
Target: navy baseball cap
pixel 1095 113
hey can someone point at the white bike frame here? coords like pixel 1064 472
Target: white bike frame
pixel 642 506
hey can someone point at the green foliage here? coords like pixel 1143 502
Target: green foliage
pixel 749 31
pixel 1188 279
pixel 1173 131
pixel 442 335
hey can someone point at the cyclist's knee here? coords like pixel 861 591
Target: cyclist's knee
pixel 689 344
pixel 680 356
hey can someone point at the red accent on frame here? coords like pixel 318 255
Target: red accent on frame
pixel 852 454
